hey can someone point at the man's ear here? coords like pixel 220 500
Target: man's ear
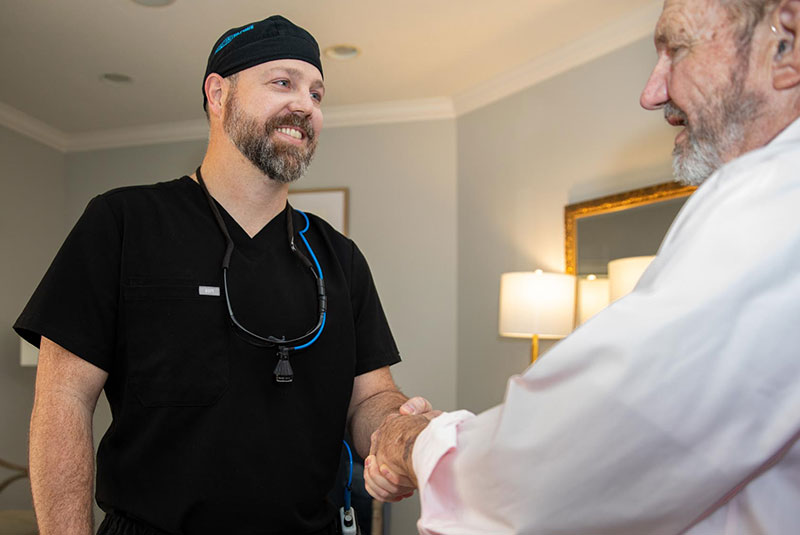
pixel 785 22
pixel 214 90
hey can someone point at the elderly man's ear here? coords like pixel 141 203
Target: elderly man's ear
pixel 786 22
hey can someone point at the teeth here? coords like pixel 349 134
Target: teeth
pixel 291 132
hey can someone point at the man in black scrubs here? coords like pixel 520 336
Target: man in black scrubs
pixel 230 384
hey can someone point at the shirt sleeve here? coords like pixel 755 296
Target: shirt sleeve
pixel 656 411
pixel 430 453
pixel 75 304
pixel 375 345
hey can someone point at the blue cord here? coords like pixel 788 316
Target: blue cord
pixel 349 479
pixel 348 488
pixel 315 337
pixel 302 235
pixel 319 270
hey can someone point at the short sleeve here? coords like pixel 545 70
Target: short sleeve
pixel 375 345
pixel 75 304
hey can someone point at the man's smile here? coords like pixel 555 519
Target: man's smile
pixel 292 132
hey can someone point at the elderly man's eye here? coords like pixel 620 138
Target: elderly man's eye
pixel 676 49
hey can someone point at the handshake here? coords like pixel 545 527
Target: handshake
pixel 389 470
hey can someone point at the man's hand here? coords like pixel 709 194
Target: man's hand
pixel 418 405
pixel 388 471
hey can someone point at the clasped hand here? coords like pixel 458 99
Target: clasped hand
pixel 389 471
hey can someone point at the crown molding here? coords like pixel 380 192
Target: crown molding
pixel 152 134
pixel 335 116
pixel 399 111
pixel 100 139
pixel 622 32
pixel 35 129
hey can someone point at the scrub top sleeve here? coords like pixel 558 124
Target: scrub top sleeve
pixel 375 345
pixel 75 304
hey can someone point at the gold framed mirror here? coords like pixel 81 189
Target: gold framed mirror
pixel 601 225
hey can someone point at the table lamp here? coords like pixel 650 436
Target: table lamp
pixel 592 297
pixel 624 273
pixel 535 304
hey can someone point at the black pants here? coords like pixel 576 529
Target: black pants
pixel 114 524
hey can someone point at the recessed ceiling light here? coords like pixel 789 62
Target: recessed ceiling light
pixel 154 3
pixel 342 52
pixel 116 78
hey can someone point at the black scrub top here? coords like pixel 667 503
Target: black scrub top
pixel 203 439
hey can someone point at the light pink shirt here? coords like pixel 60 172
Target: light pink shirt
pixel 675 410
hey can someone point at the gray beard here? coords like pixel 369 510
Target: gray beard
pixel 717 133
pixel 694 161
pixel 280 162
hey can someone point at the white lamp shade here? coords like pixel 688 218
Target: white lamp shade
pixel 536 303
pixel 592 297
pixel 624 273
pixel 28 354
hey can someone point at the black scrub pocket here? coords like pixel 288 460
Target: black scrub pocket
pixel 177 341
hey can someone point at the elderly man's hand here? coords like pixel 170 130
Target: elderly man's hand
pixel 388 471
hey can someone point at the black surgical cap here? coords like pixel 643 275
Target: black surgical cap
pixel 258 42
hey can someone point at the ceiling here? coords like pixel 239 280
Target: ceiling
pixel 419 57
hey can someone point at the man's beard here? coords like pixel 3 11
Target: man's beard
pixel 282 162
pixel 716 135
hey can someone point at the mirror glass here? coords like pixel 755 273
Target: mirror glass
pixel 637 231
pixel 625 225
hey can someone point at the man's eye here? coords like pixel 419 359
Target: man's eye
pixel 316 96
pixel 283 83
pixel 676 49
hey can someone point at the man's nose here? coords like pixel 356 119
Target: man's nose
pixel 655 93
pixel 302 103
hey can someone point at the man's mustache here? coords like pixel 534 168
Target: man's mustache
pixel 674 114
pixel 291 119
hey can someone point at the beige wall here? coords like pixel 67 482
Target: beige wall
pixel 520 161
pixel 31 230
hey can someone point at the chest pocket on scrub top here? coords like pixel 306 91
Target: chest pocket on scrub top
pixel 177 341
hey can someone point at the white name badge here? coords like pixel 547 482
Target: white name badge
pixel 209 290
